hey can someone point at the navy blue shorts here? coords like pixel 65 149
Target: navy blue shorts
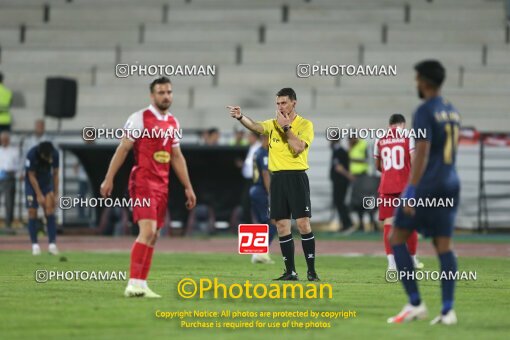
pixel 259 204
pixel 430 221
pixel 31 197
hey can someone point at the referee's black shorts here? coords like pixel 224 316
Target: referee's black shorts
pixel 290 195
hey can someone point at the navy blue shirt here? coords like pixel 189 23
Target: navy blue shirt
pixel 439 120
pixel 43 171
pixel 260 161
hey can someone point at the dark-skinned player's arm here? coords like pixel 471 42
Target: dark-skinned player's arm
pixel 181 171
pixel 266 178
pixel 419 164
pixel 38 193
pixel 250 124
pixel 55 169
pixel 118 159
pixel 55 184
pixel 377 156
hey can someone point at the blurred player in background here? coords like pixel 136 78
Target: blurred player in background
pixel 149 179
pixel 41 189
pixel 393 158
pixel 259 195
pixel 433 175
pixel 290 137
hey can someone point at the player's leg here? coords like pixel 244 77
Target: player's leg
pixel 259 206
pixel 404 226
pixel 300 207
pixel 412 245
pixel 287 248
pixel 147 232
pixel 308 244
pixel 32 230
pixel 51 224
pixel 386 215
pixel 162 207
pixel 280 212
pixel 387 246
pixel 448 263
pixel 32 206
pixel 148 256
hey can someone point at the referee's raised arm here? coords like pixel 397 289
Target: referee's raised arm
pixel 235 112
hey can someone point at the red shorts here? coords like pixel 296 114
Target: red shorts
pixel 386 209
pixel 156 209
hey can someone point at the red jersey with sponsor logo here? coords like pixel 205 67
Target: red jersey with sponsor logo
pixel 154 138
pixel 395 156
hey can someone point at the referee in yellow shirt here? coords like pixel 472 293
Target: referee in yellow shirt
pixel 290 137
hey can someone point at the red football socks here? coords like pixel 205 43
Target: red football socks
pixel 138 252
pixel 386 237
pixel 147 263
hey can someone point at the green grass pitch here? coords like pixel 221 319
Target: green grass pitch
pixel 98 310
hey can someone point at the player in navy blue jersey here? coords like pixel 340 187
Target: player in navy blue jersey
pixel 434 180
pixel 41 189
pixel 259 194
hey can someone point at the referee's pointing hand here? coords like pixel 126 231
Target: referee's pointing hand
pixel 235 111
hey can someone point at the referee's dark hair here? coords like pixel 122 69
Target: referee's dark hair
pixel 432 72
pixel 287 91
pixel 161 80
pixel 397 118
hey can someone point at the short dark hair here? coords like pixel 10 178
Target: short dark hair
pixel 287 91
pixel 212 130
pixel 1 77
pixel 160 80
pixel 432 72
pixel 45 149
pixel 397 118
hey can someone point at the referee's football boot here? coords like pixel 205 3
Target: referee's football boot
pixel 312 276
pixel 288 276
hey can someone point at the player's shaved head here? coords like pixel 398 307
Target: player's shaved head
pixel 397 118
pixel 432 72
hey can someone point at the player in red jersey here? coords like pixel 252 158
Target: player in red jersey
pixel 151 133
pixel 393 157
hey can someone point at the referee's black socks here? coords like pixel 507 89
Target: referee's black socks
pixel 287 247
pixel 308 242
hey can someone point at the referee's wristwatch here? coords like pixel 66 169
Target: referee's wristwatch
pixel 286 128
